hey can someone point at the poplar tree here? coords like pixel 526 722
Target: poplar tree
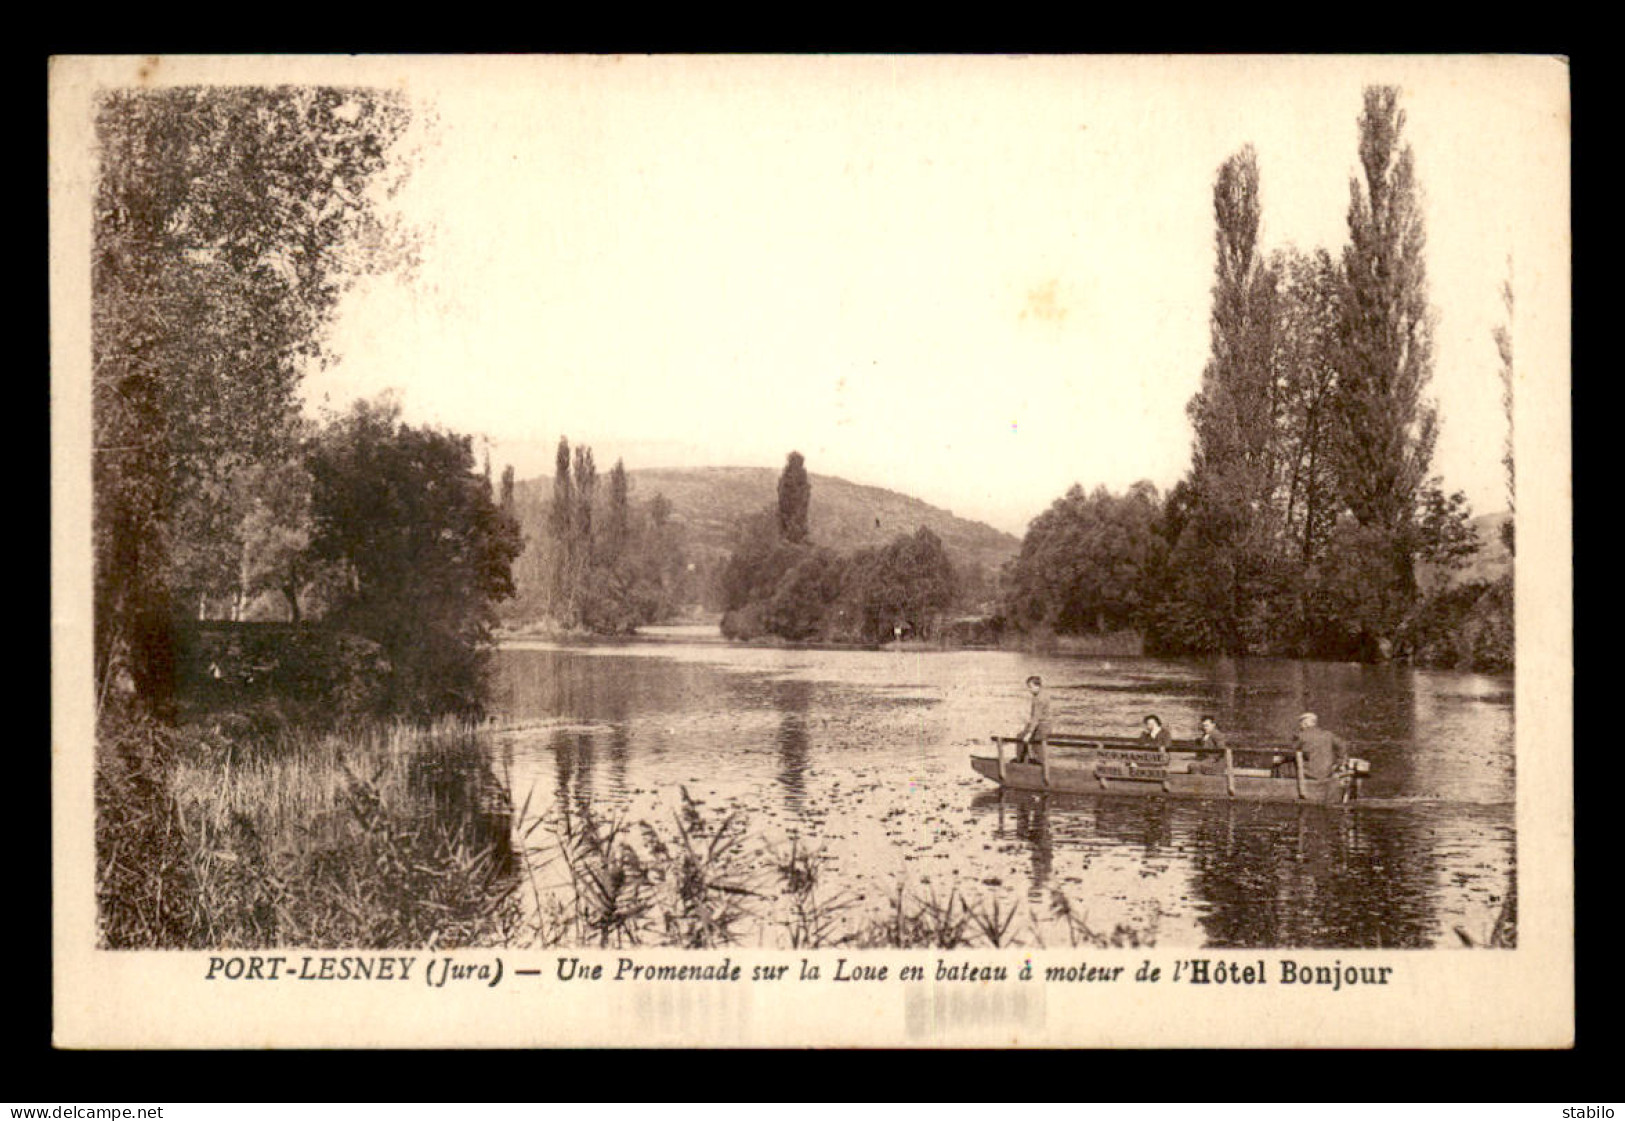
pixel 1225 556
pixel 581 528
pixel 1387 424
pixel 561 523
pixel 619 527
pixel 795 494
pixel 1503 346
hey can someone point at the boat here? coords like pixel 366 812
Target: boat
pixel 1083 764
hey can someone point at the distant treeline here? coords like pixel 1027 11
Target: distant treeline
pixel 1309 510
pixel 597 559
pixel 779 582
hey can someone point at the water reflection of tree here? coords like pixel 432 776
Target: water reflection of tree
pixel 574 760
pixel 460 788
pixel 1264 875
pixel 1311 876
pixel 793 699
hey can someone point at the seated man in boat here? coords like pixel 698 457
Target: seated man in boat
pixel 1155 737
pixel 1211 761
pixel 1036 730
pixel 1323 752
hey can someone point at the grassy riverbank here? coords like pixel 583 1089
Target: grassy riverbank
pixel 382 835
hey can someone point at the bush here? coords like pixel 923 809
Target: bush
pixel 1465 627
pixel 744 623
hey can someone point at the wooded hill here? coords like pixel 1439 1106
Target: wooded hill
pixel 710 503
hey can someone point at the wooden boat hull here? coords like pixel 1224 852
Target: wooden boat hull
pixel 1087 776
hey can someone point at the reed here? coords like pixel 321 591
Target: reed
pixel 1077 926
pixel 381 835
pixel 814 920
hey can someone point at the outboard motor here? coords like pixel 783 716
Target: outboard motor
pixel 1355 770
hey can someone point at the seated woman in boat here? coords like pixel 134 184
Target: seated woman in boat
pixel 1211 761
pixel 1155 737
pixel 1036 730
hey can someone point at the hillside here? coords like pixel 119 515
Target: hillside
pixel 711 502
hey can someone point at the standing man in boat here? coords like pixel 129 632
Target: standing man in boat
pixel 1323 752
pixel 1155 737
pixel 1036 730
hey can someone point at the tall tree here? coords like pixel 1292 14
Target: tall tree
pixel 795 494
pixel 1309 316
pixel 1227 552
pixel 908 584
pixel 561 523
pixel 1503 346
pixel 582 534
pixel 506 502
pixel 1234 413
pixel 619 526
pixel 1387 424
pixel 227 222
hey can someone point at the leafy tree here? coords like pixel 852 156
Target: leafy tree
pixel 618 596
pixel 562 523
pixel 424 551
pixel 1226 555
pixel 907 584
pixel 1387 425
pixel 582 540
pixel 660 510
pixel 1444 535
pixel 759 560
pixel 227 222
pixel 276 534
pixel 795 494
pixel 1235 412
pixel 801 600
pixel 1087 563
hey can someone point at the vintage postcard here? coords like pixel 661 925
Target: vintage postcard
pixel 811 551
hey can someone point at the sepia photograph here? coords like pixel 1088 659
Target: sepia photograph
pixel 860 514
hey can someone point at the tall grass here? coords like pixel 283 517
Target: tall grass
pixel 377 836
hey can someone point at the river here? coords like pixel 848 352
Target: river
pixel 865 753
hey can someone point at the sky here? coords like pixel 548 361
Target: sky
pixel 977 281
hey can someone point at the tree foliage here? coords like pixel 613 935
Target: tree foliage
pixel 777 582
pixel 1387 424
pixel 227 223
pixel 1308 505
pixel 795 494
pixel 1088 562
pixel 596 558
pixel 423 551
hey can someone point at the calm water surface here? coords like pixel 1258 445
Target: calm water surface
pixel 866 753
